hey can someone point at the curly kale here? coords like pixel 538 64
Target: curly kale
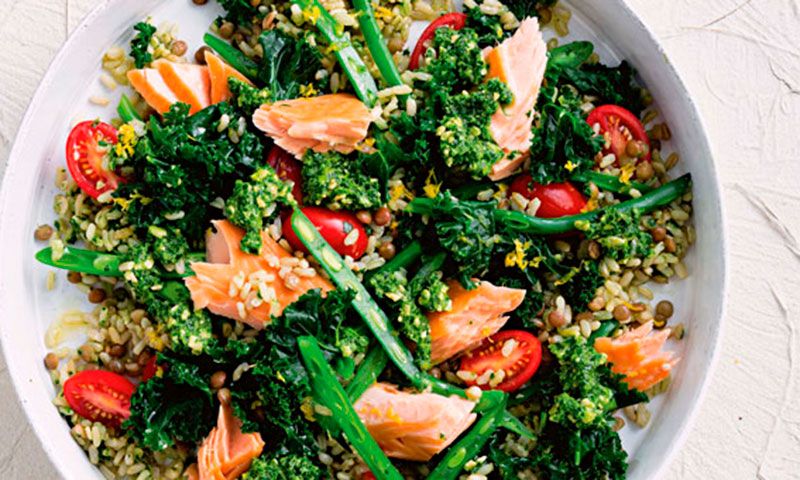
pixel 577 440
pixel 488 27
pixel 339 182
pixel 580 289
pixel 620 234
pixel 141 43
pixel 254 202
pixel 183 164
pixel 288 64
pixel 466 230
pixel 528 8
pixel 240 12
pixel 563 143
pixel 284 467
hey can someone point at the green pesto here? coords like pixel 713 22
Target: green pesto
pixel 339 182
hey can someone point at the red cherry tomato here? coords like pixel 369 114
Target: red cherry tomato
pixel 519 366
pixel 368 476
pixel 334 228
pixel 455 20
pixel 149 369
pixel 100 396
pixel 619 126
pixel 288 168
pixel 557 199
pixel 87 145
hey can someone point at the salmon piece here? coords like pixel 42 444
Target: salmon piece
pixel 413 426
pixel 190 83
pixel 329 122
pixel 519 62
pixel 475 315
pixel 638 355
pixel 214 285
pixel 219 73
pixel 226 452
pixel 152 87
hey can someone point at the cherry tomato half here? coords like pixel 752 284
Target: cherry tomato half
pixel 557 199
pixel 100 396
pixel 519 366
pixel 87 145
pixel 287 168
pixel 368 476
pixel 455 20
pixel 334 228
pixel 619 126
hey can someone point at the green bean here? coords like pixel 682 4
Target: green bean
pixel 351 62
pixel 330 394
pixel 126 110
pixel 367 374
pixel 98 263
pixel 606 329
pixel 365 305
pixel 470 445
pixel 233 56
pixel 611 183
pixel 513 424
pixel 376 43
pixel 659 197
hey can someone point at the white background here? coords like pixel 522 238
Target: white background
pixel 741 62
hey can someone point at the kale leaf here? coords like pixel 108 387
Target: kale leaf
pixel 141 43
pixel 466 230
pixel 528 8
pixel 340 182
pixel 580 289
pixel 182 164
pixel 287 64
pixel 240 12
pixel 488 27
pixel 575 439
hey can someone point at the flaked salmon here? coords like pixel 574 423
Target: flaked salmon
pixel 190 83
pixel 246 287
pixel 219 73
pixel 475 315
pixel 519 62
pixel 413 426
pixel 638 355
pixel 226 452
pixel 329 122
pixel 149 83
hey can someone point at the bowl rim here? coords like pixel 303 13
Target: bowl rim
pixel 61 462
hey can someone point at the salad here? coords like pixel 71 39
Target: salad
pixel 317 250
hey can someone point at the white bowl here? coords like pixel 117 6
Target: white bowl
pixel 61 100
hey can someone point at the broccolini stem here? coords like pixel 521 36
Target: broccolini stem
pixel 468 447
pixel 522 223
pixel 611 182
pixel 367 374
pixel 331 394
pixel 233 56
pixel 97 263
pixel 376 44
pixel 351 62
pixel 126 110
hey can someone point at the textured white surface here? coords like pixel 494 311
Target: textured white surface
pixel 741 62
